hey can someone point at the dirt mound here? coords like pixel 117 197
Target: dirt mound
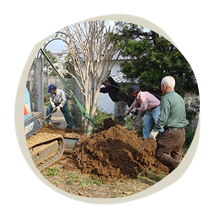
pixel 109 122
pixel 63 132
pixel 113 153
pixel 109 154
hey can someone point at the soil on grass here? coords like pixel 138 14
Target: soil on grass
pixel 105 165
pixel 110 154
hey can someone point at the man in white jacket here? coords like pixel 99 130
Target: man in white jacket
pixel 58 102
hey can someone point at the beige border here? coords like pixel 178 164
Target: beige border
pixel 170 179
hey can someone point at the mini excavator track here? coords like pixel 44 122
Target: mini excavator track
pixel 45 149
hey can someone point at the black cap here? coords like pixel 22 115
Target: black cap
pixel 134 88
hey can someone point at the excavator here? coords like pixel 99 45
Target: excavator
pixel 45 148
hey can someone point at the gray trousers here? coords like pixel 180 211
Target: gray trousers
pixel 119 111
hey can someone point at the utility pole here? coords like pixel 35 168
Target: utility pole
pixel 38 85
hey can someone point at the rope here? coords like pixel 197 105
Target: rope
pixel 70 93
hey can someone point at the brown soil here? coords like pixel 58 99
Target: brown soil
pixel 109 122
pixel 110 154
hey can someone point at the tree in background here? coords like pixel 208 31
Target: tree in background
pixel 152 57
pixel 91 55
pixel 49 70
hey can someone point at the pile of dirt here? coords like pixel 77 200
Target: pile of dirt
pixel 109 154
pixel 113 153
pixel 109 122
pixel 71 133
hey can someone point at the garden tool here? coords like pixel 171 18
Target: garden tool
pixel 144 144
pixel 48 115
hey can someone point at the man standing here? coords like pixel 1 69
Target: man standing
pixel 136 115
pixel 173 119
pixel 58 102
pixel 113 88
pixel 147 102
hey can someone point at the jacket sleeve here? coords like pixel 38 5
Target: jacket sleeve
pixel 51 102
pixel 113 82
pixel 133 105
pixel 63 99
pixel 104 90
pixel 143 104
pixel 164 114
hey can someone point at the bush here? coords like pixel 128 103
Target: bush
pixel 101 116
pixel 46 100
pixel 189 137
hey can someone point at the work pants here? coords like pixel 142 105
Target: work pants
pixel 151 115
pixel 66 114
pixel 136 120
pixel 119 111
pixel 169 147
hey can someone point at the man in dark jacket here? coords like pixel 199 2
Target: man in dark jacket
pixel 113 88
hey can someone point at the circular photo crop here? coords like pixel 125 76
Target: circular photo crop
pixel 110 109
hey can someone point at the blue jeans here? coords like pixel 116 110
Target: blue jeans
pixel 152 115
pixel 66 114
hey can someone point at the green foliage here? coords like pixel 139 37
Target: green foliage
pixel 189 137
pixel 151 57
pixel 51 172
pixel 46 100
pixel 129 123
pixel 53 59
pixel 89 181
pixel 101 116
pixel 73 176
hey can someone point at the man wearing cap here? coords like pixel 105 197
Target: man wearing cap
pixel 173 119
pixel 113 88
pixel 147 102
pixel 58 102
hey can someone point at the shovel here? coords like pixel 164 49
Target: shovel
pixel 122 119
pixel 48 115
pixel 144 144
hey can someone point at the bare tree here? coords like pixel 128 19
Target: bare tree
pixel 92 56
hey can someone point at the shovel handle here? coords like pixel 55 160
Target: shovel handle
pixel 144 144
pixel 48 116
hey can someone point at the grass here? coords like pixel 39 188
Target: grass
pixel 51 172
pixel 153 176
pixel 85 185
pixel 84 182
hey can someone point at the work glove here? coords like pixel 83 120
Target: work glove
pixel 127 112
pixel 58 107
pixel 134 110
pixel 153 134
pixel 54 109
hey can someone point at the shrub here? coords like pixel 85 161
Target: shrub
pixel 101 116
pixel 189 137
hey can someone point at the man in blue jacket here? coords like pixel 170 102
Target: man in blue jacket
pixel 58 102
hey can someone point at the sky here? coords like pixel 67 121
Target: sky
pixel 58 45
pixel 104 102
